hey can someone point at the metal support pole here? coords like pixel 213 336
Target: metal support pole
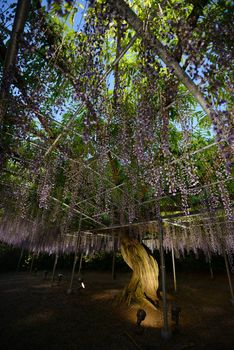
pixel 72 275
pixel 113 266
pixel 32 262
pixel 113 262
pixel 165 331
pixel 20 259
pixel 80 264
pixel 54 268
pixel 75 257
pixel 210 266
pixel 173 266
pixel 229 277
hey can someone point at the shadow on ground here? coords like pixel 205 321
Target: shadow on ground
pixel 36 316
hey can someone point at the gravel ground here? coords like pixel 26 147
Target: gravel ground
pixel 36 315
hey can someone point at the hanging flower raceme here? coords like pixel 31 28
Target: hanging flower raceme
pixel 46 183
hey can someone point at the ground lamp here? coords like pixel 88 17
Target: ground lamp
pixel 141 314
pixel 60 277
pixel 81 282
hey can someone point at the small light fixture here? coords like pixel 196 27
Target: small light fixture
pixel 81 282
pixel 141 314
pixel 60 277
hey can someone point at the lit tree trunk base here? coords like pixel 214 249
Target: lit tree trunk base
pixel 142 288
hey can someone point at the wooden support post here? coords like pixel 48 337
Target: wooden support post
pixel 165 331
pixel 20 259
pixel 54 268
pixel 173 266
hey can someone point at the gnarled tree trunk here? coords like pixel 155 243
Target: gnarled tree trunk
pixel 143 285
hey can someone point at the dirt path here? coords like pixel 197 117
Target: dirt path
pixel 36 316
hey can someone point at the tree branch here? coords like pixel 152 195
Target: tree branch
pixel 12 49
pixel 150 40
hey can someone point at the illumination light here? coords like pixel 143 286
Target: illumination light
pixel 81 282
pixel 60 277
pixel 141 314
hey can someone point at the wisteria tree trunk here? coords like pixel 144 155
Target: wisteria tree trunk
pixel 143 285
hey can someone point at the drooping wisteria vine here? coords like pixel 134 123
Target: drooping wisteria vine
pixel 86 136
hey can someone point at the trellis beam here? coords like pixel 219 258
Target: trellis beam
pixel 190 189
pixel 78 212
pixel 108 189
pixel 152 200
